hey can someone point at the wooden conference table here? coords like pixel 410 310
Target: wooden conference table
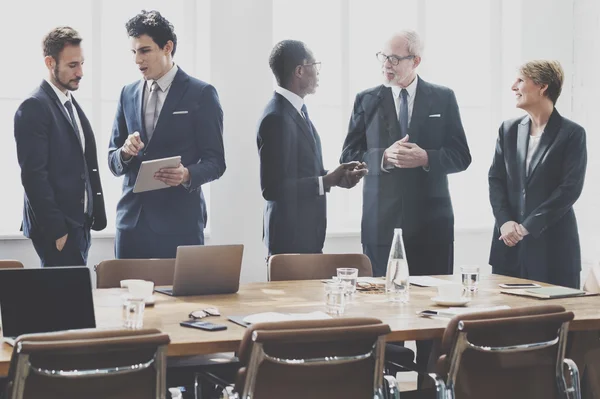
pixel 308 296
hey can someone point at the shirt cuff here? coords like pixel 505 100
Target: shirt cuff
pixel 321 189
pixel 426 168
pixel 121 157
pixel 187 184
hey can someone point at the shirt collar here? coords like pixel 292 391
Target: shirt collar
pixel 293 98
pixel 61 96
pixel 411 89
pixel 165 81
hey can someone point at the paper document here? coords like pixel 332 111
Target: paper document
pixel 451 312
pixel 276 316
pixel 427 281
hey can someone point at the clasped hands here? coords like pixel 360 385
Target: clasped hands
pixel 347 175
pixel 403 154
pixel 512 232
pixel 170 176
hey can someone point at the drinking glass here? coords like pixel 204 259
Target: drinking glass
pixel 470 278
pixel 348 275
pixel 133 313
pixel 335 300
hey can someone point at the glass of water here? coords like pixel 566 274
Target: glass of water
pixel 335 301
pixel 470 278
pixel 396 281
pixel 133 313
pixel 348 275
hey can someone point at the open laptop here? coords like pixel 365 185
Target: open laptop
pixel 45 300
pixel 206 270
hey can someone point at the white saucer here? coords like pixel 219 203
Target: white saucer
pixel 148 301
pixel 451 301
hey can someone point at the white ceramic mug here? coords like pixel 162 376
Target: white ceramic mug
pixel 450 291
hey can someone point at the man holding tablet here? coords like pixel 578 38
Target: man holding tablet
pixel 166 114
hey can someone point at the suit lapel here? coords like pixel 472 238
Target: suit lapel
pixel 178 88
pixel 50 91
pixel 421 109
pixel 388 107
pixel 522 144
pixel 86 126
pixel 546 140
pixel 289 108
pixel 138 101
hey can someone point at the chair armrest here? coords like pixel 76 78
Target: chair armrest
pixel 572 387
pixel 440 385
pixel 391 388
pixel 229 393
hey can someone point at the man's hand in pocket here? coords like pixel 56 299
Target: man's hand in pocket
pixel 60 243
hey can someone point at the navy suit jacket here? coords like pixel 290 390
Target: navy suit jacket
pixel 290 164
pixel 195 132
pixel 541 200
pixel 411 199
pixel 52 166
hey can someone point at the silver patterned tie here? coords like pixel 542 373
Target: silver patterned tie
pixel 150 114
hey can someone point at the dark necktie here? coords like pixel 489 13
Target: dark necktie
pixel 86 177
pixel 403 114
pixel 307 120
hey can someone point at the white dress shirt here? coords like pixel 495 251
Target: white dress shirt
pixel 63 98
pixel 534 142
pixel 164 82
pixel 411 93
pixel 297 102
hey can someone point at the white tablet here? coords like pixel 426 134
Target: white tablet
pixel 145 179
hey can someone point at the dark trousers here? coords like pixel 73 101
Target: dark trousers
pixel 429 252
pixel 143 243
pixel 74 253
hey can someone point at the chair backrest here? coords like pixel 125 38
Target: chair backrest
pixel 286 267
pixel 10 264
pixel 109 273
pixel 513 353
pixel 90 364
pixel 334 358
pixel 592 281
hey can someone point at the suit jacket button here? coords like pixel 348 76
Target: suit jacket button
pixel 522 213
pixel 83 176
pixel 82 201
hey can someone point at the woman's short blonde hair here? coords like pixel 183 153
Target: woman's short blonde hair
pixel 545 72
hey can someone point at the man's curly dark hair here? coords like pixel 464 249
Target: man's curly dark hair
pixel 153 24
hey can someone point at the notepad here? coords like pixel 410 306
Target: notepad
pixel 548 292
pixel 268 317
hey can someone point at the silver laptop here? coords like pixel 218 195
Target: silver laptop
pixel 206 270
pixel 45 300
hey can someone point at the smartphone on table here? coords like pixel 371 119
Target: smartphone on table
pixel 203 325
pixel 520 285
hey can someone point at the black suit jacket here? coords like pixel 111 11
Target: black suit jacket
pixel 542 200
pixel 52 166
pixel 290 163
pixel 411 199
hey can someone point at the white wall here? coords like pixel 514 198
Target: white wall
pixel 566 30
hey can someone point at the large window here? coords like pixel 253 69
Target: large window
pixel 109 66
pixel 345 35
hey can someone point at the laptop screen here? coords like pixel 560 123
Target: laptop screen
pixel 45 300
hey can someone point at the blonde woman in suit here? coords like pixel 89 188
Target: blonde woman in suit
pixel 536 176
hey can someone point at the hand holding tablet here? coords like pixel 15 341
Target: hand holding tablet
pixel 149 170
